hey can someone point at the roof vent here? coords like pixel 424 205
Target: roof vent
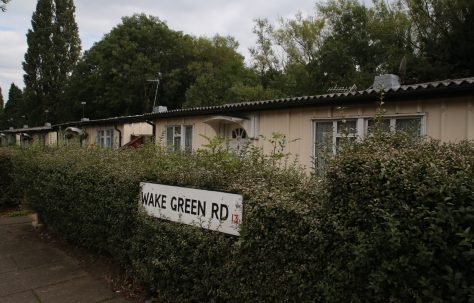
pixel 47 124
pixel 84 119
pixel 386 82
pixel 160 109
pixel 25 126
pixel 11 127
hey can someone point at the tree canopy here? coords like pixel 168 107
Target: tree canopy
pixel 14 112
pixel 113 76
pixel 346 42
pixel 3 7
pixel 53 49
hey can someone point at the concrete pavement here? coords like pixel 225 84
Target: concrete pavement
pixel 31 271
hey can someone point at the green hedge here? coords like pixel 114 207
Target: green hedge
pixel 8 192
pixel 390 221
pixel 397 222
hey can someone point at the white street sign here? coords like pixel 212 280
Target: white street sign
pixel 207 209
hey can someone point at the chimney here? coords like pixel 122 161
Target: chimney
pixel 84 119
pixel 25 126
pixel 47 124
pixel 160 109
pixel 386 82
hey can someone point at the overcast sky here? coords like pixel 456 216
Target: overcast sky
pixel 97 17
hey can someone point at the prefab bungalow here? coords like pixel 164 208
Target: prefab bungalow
pixel 26 136
pixel 106 133
pixel 441 110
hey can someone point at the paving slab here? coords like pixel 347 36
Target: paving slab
pixel 15 220
pixel 34 271
pixel 7 264
pixel 23 297
pixel 83 290
pixel 22 280
pixel 38 257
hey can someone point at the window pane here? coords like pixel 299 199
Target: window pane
pixel 188 139
pixel 177 143
pixel 323 132
pixel 343 142
pixel 323 142
pixel 177 130
pixel 410 125
pixel 347 127
pixel 383 124
pixel 169 136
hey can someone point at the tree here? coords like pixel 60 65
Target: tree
pixel 1 101
pixel 342 44
pixel 15 107
pixel 112 77
pixel 53 50
pixel 445 40
pixel 3 7
pixel 218 70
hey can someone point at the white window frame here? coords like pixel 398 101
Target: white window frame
pixel 362 127
pixel 102 135
pixel 182 136
pixel 393 122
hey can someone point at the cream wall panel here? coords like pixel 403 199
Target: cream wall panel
pixel 135 129
pixel 200 129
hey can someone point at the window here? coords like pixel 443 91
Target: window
pixel 411 125
pixel 331 135
pixel 239 140
pixel 239 133
pixel 179 137
pixel 105 138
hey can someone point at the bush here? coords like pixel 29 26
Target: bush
pixel 397 222
pixel 8 192
pixel 389 221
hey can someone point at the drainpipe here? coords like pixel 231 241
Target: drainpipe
pixel 120 135
pixel 57 138
pixel 153 125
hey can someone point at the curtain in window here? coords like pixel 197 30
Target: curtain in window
pixel 188 139
pixel 323 141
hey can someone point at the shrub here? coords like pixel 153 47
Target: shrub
pixel 389 221
pixel 8 193
pixel 397 222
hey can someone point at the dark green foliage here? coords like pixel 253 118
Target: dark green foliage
pixel 398 222
pixel 1 102
pixel 347 42
pixel 14 108
pixel 53 49
pixel 389 222
pixel 113 75
pixel 444 31
pixel 3 6
pixel 9 192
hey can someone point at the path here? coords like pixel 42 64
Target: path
pixel 31 271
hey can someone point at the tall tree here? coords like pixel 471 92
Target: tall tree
pixel 14 114
pixel 1 101
pixel 3 7
pixel 445 37
pixel 112 76
pixel 219 74
pixel 53 50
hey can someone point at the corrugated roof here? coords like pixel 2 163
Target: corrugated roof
pixel 403 90
pixel 28 129
pixel 449 86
